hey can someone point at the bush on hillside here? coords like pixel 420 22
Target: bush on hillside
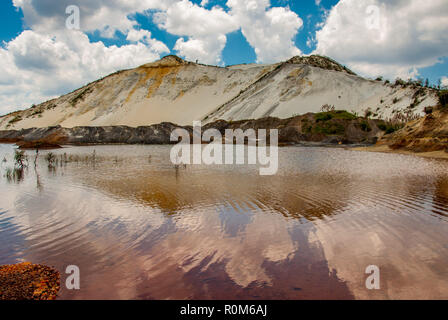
pixel 443 98
pixel 337 114
pixel 389 127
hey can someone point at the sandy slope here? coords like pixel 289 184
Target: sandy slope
pixel 425 137
pixel 173 90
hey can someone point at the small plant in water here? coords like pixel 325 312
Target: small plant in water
pixel 51 159
pixel 8 174
pixel 15 174
pixel 36 157
pixel 20 159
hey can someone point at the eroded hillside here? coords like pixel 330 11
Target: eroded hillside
pixel 427 134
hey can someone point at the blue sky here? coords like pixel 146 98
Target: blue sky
pixel 42 59
pixel 11 19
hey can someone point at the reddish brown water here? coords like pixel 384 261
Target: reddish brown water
pixel 139 228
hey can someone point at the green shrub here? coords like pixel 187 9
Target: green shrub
pixel 368 113
pixel 389 128
pixel 37 112
pixel 329 128
pixel 443 98
pixel 307 128
pixel 338 114
pixel 365 126
pixel 428 110
pixel 344 115
pixel 323 116
pixel 400 82
pixel 80 97
pixel 15 119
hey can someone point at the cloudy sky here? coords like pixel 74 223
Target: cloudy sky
pixel 40 58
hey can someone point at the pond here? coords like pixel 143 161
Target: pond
pixel 139 227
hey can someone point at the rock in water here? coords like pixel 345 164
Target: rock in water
pixel 26 281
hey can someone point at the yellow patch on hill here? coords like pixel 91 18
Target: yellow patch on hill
pixel 157 75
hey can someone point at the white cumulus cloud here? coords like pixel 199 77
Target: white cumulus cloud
pixel 49 60
pixel 106 16
pixel 37 67
pixel 205 49
pixel 444 82
pixel 270 31
pixel 205 30
pixel 386 37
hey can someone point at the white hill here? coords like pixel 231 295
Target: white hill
pixel 177 91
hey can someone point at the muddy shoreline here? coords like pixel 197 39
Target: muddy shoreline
pixel 386 149
pixel 336 129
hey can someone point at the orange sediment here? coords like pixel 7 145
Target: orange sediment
pixel 26 281
pixel 157 74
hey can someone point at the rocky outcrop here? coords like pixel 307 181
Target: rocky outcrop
pixel 334 127
pixel 156 134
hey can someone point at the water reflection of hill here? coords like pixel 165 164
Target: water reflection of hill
pixel 141 229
